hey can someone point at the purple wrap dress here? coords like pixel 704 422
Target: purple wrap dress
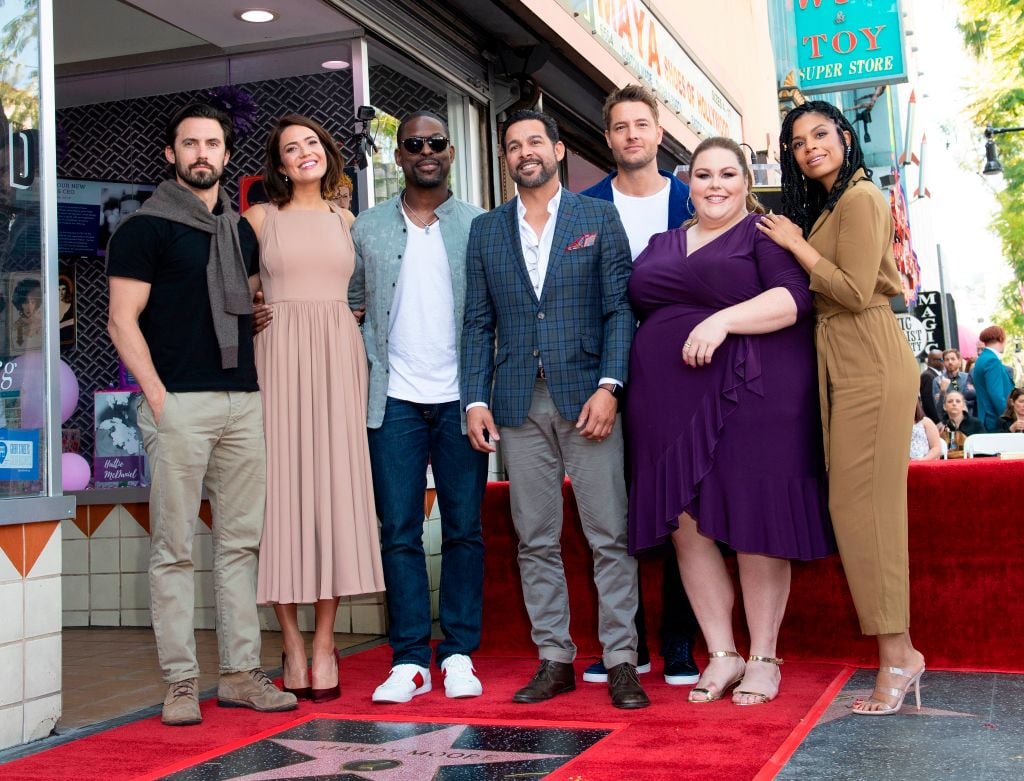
pixel 736 443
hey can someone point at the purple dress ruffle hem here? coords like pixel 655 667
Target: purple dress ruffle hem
pixel 735 444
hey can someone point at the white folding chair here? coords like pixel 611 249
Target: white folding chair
pixel 993 444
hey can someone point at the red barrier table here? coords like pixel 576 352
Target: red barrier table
pixel 966 569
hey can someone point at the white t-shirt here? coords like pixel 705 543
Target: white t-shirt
pixel 642 217
pixel 422 356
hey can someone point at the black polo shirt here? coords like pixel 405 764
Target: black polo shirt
pixel 177 322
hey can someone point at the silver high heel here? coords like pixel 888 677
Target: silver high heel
pixel 913 679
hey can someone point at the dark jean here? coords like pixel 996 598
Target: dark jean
pixel 399 451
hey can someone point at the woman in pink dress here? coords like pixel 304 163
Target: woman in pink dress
pixel 320 535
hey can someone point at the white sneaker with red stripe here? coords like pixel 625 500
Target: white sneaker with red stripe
pixel 460 678
pixel 405 682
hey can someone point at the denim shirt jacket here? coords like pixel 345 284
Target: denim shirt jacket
pixel 380 238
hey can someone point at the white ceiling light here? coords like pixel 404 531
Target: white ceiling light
pixel 257 15
pixel 334 65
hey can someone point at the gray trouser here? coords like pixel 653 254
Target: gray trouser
pixel 537 456
pixel 213 439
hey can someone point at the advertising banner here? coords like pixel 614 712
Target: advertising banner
pixel 631 32
pixel 842 44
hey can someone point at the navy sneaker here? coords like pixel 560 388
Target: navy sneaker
pixel 680 668
pixel 597 673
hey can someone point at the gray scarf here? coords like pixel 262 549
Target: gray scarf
pixel 226 273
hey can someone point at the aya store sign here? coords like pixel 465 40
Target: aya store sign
pixel 631 32
pixel 843 44
pixel 923 325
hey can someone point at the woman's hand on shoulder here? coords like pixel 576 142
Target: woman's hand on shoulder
pixel 780 229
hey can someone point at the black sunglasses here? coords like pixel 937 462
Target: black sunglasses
pixel 414 144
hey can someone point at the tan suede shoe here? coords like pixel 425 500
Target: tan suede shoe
pixel 181 705
pixel 252 689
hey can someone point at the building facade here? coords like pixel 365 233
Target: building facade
pixel 84 102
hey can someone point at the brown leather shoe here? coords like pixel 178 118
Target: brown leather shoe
pixel 624 687
pixel 550 679
pixel 181 705
pixel 252 689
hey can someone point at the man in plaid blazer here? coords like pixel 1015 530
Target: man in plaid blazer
pixel 546 283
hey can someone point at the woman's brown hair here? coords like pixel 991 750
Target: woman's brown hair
pixel 278 188
pixel 720 142
pixel 1011 414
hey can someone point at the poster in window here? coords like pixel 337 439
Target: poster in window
pixel 67 306
pixel 24 312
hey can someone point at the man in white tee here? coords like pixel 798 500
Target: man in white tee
pixel 410 276
pixel 649 201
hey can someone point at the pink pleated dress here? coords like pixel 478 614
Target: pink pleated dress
pixel 320 537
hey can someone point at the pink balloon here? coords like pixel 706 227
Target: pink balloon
pixel 75 472
pixel 68 392
pixel 27 376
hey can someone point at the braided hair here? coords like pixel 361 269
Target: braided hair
pixel 803 199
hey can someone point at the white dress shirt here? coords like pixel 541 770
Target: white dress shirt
pixel 537 249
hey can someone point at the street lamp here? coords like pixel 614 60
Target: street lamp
pixel 992 164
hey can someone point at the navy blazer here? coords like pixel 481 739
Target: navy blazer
pixel 680 206
pixel 581 327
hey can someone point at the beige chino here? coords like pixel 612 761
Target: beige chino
pixel 212 440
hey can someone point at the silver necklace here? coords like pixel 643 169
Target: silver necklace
pixel 416 218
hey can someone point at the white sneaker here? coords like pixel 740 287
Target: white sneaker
pixel 460 678
pixel 405 682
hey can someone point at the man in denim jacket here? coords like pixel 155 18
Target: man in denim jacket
pixel 410 277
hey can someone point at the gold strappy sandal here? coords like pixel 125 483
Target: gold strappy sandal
pixel 761 697
pixel 713 696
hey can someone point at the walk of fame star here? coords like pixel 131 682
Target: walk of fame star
pixel 407 759
pixel 353 749
pixel 842 706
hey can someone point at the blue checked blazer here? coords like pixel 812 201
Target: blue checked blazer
pixel 581 328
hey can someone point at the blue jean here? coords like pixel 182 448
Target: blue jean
pixel 409 435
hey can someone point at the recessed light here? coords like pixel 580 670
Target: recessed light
pixel 257 15
pixel 334 65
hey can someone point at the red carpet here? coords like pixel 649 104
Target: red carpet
pixel 670 740
pixel 967 567
pixel 966 570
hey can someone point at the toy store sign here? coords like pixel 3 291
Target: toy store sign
pixel 631 32
pixel 842 44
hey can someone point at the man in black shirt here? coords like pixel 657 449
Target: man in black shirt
pixel 932 369
pixel 182 270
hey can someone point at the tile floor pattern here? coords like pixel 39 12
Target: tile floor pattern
pixel 112 672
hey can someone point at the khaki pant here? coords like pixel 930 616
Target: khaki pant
pixel 872 386
pixel 211 439
pixel 537 455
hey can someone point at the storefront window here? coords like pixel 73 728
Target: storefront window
pixel 23 321
pixel 387 176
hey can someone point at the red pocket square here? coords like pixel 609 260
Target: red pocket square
pixel 586 240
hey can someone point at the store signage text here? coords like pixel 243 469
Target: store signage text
pixel 631 32
pixel 923 325
pixel 848 43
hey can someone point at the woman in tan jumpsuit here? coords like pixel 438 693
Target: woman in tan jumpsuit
pixel 840 230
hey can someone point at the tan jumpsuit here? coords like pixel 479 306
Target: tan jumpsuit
pixel 868 380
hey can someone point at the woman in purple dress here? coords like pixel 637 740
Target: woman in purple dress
pixel 724 436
